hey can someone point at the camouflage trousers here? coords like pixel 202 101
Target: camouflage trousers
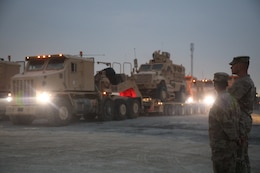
pixel 243 162
pixel 225 165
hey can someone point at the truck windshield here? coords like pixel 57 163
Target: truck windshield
pixel 36 65
pixel 145 67
pixel 55 63
pixel 157 67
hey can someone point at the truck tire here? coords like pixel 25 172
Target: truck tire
pixel 106 110
pixel 21 120
pixel 60 114
pixel 120 109
pixel 133 108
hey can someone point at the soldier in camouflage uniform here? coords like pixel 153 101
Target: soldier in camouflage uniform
pixel 244 91
pixel 224 127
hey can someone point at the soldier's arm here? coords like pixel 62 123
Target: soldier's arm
pixel 239 89
pixel 228 124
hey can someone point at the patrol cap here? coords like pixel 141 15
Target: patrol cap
pixel 243 59
pixel 221 77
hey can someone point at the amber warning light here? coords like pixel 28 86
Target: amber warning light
pixel 43 56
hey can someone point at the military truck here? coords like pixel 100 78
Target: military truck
pixel 7 70
pixel 161 83
pixel 62 88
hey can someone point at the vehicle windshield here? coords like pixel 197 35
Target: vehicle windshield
pixel 145 67
pixel 35 65
pixel 157 67
pixel 55 63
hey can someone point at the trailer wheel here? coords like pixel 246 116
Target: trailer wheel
pixel 60 114
pixel 21 120
pixel 133 108
pixel 107 110
pixel 120 109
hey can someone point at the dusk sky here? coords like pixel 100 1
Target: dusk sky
pixel 123 29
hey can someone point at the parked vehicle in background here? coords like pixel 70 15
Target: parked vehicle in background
pixel 7 70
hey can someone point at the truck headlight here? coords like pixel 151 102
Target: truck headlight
pixel 209 100
pixel 189 100
pixel 43 97
pixel 159 103
pixel 9 97
pixel 147 99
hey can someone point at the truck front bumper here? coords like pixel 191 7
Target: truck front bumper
pixel 33 110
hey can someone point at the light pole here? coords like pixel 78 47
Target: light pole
pixel 191 57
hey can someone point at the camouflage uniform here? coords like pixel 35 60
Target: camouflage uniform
pixel 243 90
pixel 224 132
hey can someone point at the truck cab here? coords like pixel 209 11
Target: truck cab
pixel 53 87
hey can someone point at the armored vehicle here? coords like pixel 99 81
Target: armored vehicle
pixel 161 79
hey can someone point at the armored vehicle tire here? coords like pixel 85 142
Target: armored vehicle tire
pixel 60 114
pixel 181 95
pixel 107 110
pixel 111 75
pixel 133 108
pixel 162 93
pixel 120 109
pixel 21 120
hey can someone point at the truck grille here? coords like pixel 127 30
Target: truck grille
pixel 23 91
pixel 143 78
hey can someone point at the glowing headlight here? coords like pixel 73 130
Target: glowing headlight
pixel 189 100
pixel 159 103
pixel 147 99
pixel 209 100
pixel 9 97
pixel 43 97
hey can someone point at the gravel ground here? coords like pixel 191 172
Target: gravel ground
pixel 146 144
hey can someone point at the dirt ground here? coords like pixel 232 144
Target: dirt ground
pixel 146 144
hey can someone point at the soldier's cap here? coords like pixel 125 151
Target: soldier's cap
pixel 243 59
pixel 221 77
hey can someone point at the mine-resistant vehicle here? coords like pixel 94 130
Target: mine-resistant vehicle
pixel 162 85
pixel 161 79
pixel 62 88
pixel 7 70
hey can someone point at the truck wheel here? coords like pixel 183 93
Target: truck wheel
pixel 120 109
pixel 133 108
pixel 107 110
pixel 60 115
pixel 18 120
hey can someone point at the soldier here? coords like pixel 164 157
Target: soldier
pixel 244 91
pixel 223 127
